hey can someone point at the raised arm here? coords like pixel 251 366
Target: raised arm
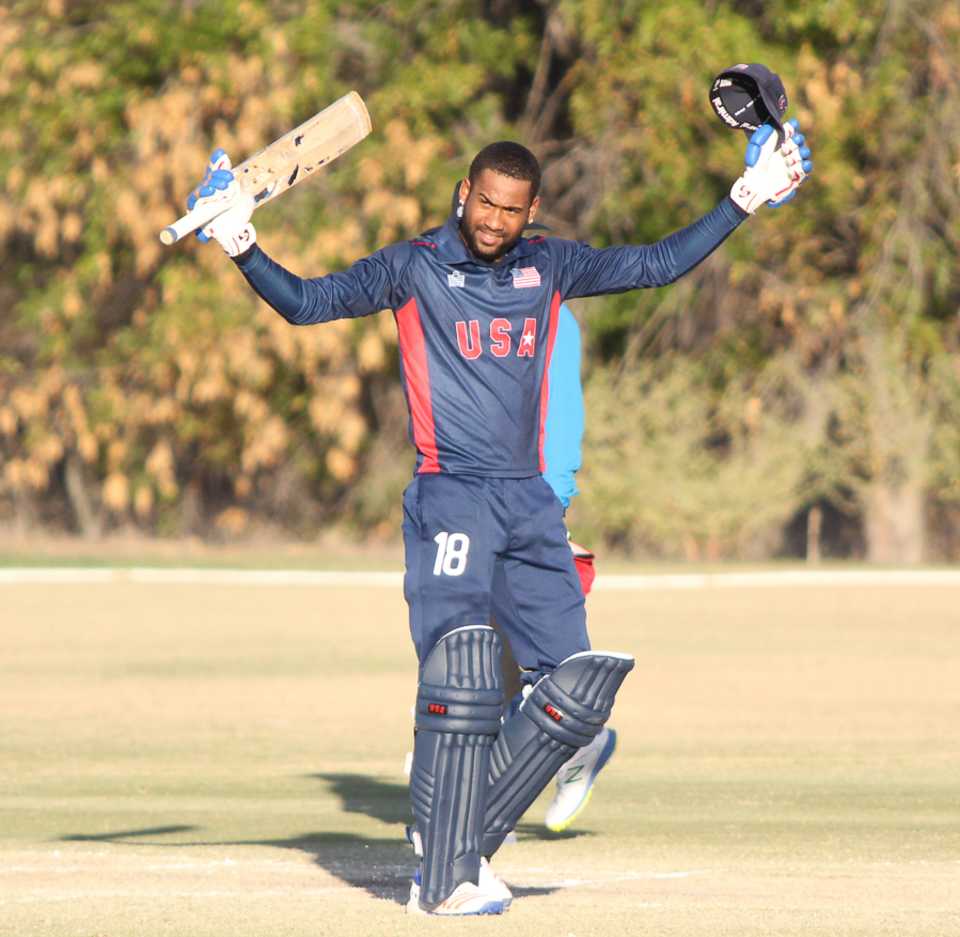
pixel 772 175
pixel 591 271
pixel 368 286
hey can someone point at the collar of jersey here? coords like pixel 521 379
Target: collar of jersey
pixel 452 250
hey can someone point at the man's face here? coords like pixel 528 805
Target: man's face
pixel 496 209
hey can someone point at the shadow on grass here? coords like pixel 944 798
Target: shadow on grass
pixel 389 802
pixel 386 801
pixel 382 866
pixel 120 835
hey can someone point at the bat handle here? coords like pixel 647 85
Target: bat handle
pixel 191 221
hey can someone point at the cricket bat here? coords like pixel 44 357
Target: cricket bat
pixel 287 161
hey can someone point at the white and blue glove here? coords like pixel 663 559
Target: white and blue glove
pixel 231 229
pixel 773 173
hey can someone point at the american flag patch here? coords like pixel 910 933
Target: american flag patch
pixel 525 277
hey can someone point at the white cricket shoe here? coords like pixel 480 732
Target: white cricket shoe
pixel 575 780
pixel 465 899
pixel 491 883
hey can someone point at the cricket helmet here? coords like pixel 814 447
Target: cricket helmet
pixel 747 96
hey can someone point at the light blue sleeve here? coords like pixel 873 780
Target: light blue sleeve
pixel 563 432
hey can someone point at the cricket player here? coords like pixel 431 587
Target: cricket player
pixel 477 312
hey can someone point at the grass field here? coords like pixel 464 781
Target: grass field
pixel 202 760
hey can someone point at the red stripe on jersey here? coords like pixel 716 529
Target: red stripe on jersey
pixel 413 352
pixel 545 382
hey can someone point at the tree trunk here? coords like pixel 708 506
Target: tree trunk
pixel 895 524
pixel 191 509
pixel 814 526
pixel 87 518
pixel 24 514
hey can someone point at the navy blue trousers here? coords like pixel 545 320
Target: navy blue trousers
pixel 474 545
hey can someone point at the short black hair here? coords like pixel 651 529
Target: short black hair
pixel 509 159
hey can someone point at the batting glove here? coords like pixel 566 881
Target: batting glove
pixel 774 173
pixel 231 229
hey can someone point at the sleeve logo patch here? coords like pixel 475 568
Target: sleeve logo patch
pixel 525 278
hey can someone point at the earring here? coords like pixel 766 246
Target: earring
pixel 460 209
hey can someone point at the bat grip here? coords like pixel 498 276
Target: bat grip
pixel 191 221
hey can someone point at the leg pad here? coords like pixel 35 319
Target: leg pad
pixel 564 712
pixel 459 702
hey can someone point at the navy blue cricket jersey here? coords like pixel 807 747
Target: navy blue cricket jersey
pixel 476 338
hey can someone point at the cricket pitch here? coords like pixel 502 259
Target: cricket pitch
pixel 226 760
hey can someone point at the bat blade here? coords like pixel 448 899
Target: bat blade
pixel 288 160
pixel 303 150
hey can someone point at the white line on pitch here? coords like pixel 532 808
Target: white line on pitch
pixel 627 877
pixel 393 579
